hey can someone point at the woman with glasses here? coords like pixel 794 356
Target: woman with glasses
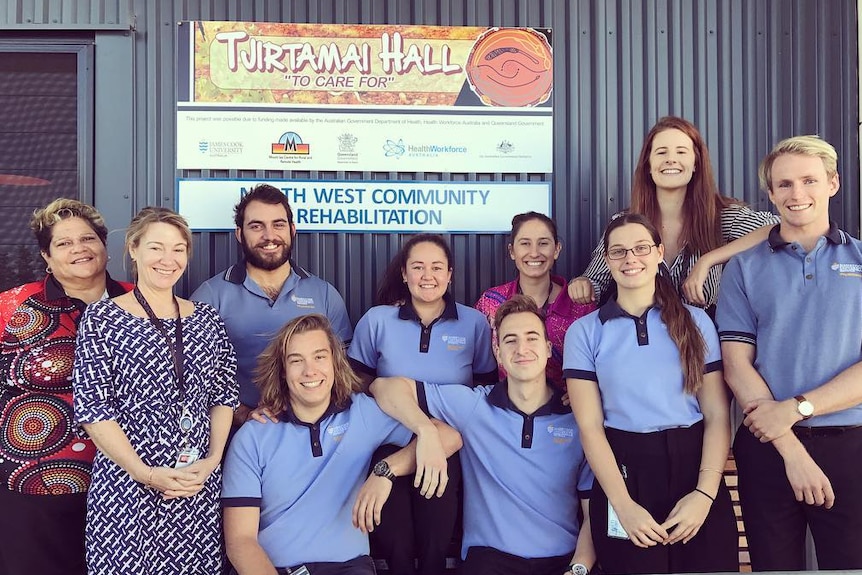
pixel 674 187
pixel 644 375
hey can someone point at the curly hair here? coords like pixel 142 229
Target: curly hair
pixel 43 220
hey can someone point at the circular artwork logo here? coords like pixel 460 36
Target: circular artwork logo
pixel 511 67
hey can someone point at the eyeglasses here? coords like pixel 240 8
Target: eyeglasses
pixel 639 250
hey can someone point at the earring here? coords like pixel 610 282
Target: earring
pixel 48 270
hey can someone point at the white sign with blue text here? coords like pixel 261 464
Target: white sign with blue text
pixel 372 206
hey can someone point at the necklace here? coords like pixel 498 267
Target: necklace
pixel 544 306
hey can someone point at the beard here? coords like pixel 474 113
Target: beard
pixel 266 261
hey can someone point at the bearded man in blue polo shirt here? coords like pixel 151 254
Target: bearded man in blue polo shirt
pixel 290 486
pixel 259 294
pixel 524 469
pixel 790 323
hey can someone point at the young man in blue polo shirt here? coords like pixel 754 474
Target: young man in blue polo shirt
pixel 265 290
pixel 289 485
pixel 524 469
pixel 790 322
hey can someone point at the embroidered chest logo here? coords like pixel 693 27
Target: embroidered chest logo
pixel 455 342
pixel 848 270
pixel 561 435
pixel 303 302
pixel 336 432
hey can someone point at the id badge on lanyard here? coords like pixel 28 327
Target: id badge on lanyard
pixel 187 454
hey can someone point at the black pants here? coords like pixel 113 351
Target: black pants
pixel 42 534
pixel 490 561
pixel 775 522
pixel 412 526
pixel 661 468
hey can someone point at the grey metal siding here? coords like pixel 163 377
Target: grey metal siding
pixel 65 14
pixel 747 72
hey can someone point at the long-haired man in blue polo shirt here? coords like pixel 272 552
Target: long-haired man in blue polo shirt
pixel 790 323
pixel 291 485
pixel 524 469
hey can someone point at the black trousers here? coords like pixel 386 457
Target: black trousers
pixel 412 526
pixel 775 522
pixel 42 534
pixel 661 468
pixel 490 561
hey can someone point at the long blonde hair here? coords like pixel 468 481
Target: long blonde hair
pixel 270 375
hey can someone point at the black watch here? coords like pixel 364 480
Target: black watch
pixel 578 569
pixel 381 469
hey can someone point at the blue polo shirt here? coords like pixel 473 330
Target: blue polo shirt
pixel 637 367
pixel 456 348
pixel 305 477
pixel 252 319
pixel 522 474
pixel 802 312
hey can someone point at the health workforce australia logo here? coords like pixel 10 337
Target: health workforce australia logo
pixel 393 149
pixel 290 144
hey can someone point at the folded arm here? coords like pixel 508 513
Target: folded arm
pixel 768 420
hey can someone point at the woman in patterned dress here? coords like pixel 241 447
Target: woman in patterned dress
pixel 674 187
pixel 44 462
pixel 155 389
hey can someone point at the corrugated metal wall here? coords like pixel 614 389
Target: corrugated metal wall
pixel 747 72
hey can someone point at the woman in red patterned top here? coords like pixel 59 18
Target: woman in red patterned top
pixel 44 459
pixel 534 246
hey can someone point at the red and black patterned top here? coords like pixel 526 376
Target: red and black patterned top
pixel 41 451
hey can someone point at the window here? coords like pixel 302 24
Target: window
pixel 44 115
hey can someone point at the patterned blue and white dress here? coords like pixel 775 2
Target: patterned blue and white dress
pixel 124 372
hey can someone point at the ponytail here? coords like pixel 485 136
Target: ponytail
pixel 684 332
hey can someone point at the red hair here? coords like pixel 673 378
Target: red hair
pixel 701 210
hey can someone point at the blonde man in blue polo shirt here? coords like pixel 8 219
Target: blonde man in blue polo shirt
pixel 290 485
pixel 790 323
pixel 259 294
pixel 524 470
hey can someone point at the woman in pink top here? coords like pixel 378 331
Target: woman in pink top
pixel 534 246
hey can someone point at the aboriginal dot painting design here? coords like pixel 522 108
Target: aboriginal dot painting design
pixel 34 426
pixel 33 322
pixel 54 477
pixel 46 367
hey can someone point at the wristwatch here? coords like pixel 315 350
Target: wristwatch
pixel 578 569
pixel 381 469
pixel 804 407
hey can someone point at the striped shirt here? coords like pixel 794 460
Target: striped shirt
pixel 737 220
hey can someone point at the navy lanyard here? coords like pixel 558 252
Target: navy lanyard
pixel 175 346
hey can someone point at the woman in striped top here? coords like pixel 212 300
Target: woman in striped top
pixel 674 187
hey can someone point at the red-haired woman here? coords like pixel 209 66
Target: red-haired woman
pixel 674 187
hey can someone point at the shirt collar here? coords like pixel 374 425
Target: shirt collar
pixel 287 416
pixel 833 236
pixel 612 310
pixel 237 273
pixel 54 290
pixel 407 311
pixel 499 397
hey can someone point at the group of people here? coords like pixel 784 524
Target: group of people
pixel 574 427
